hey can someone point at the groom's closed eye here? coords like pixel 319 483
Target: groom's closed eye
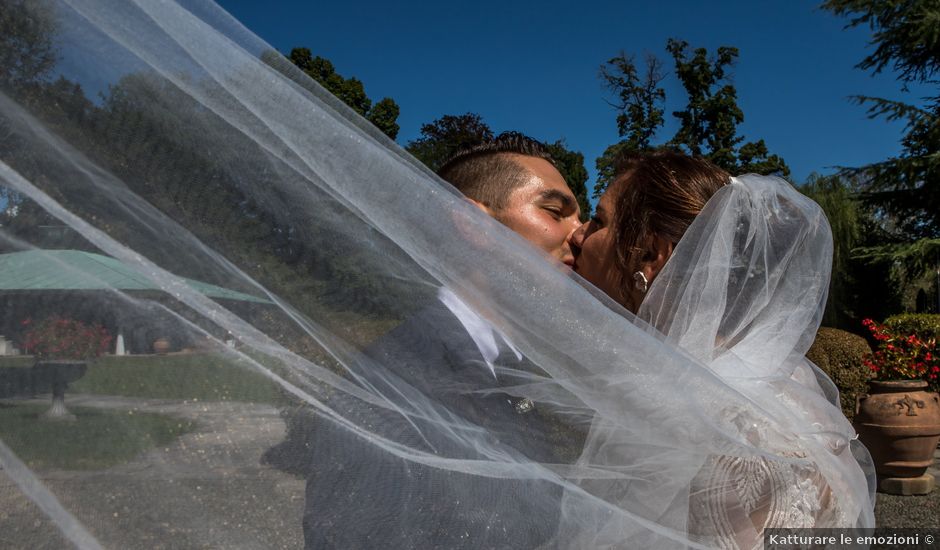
pixel 558 203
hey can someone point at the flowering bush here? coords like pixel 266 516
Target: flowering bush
pixel 902 356
pixel 63 338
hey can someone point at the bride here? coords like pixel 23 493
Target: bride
pixel 733 271
pixel 270 232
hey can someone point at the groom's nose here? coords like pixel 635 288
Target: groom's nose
pixel 576 239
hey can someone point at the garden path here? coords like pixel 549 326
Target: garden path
pixel 206 489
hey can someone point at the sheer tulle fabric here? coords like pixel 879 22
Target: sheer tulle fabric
pixel 328 396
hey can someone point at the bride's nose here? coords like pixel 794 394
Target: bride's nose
pixel 576 238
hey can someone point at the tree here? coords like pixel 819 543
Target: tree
pixel 905 35
pixel 639 106
pixel 571 165
pixel 709 121
pixel 442 138
pixel 606 166
pixel 639 100
pixel 755 158
pixel 841 206
pixel 906 40
pixel 904 190
pixel 707 124
pixel 27 51
pixel 384 114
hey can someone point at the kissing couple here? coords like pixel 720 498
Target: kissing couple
pixel 469 365
pixel 731 272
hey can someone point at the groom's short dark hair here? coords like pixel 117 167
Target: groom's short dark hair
pixel 487 172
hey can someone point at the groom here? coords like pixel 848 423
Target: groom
pixel 360 496
pixel 514 180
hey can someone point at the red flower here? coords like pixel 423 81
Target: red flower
pixel 901 356
pixel 63 338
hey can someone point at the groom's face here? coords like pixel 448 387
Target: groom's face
pixel 543 210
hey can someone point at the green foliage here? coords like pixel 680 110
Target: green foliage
pixel 840 354
pixel 915 257
pixel 707 124
pixel 27 51
pixel 754 158
pixel 639 99
pixel 443 137
pixel 639 104
pixel 98 439
pixel 843 211
pixel 571 166
pixel 384 114
pixel 907 187
pixel 606 165
pixel 186 376
pixel 906 36
pixel 909 269
pixel 924 325
pixel 173 164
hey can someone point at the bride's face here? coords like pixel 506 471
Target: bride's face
pixel 593 247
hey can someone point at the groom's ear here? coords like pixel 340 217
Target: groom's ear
pixel 468 226
pixel 481 206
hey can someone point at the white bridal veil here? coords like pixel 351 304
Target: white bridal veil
pixel 168 176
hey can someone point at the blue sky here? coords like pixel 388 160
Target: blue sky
pixel 532 66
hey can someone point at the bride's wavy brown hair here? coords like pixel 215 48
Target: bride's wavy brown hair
pixel 660 193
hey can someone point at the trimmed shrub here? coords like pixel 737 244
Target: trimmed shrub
pixel 839 354
pixel 924 325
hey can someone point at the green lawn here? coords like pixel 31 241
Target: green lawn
pixel 189 376
pixel 184 376
pixel 97 439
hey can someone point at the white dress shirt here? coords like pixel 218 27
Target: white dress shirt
pixel 484 334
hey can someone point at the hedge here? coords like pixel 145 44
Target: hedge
pixel 924 325
pixel 839 354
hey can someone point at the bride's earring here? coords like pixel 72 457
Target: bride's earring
pixel 641 282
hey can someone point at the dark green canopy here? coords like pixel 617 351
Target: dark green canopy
pixel 78 270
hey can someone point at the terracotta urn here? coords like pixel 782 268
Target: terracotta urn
pixel 161 346
pixel 899 423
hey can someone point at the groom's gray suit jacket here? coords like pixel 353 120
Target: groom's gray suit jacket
pixel 360 496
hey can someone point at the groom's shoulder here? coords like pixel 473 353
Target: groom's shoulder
pixel 432 328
